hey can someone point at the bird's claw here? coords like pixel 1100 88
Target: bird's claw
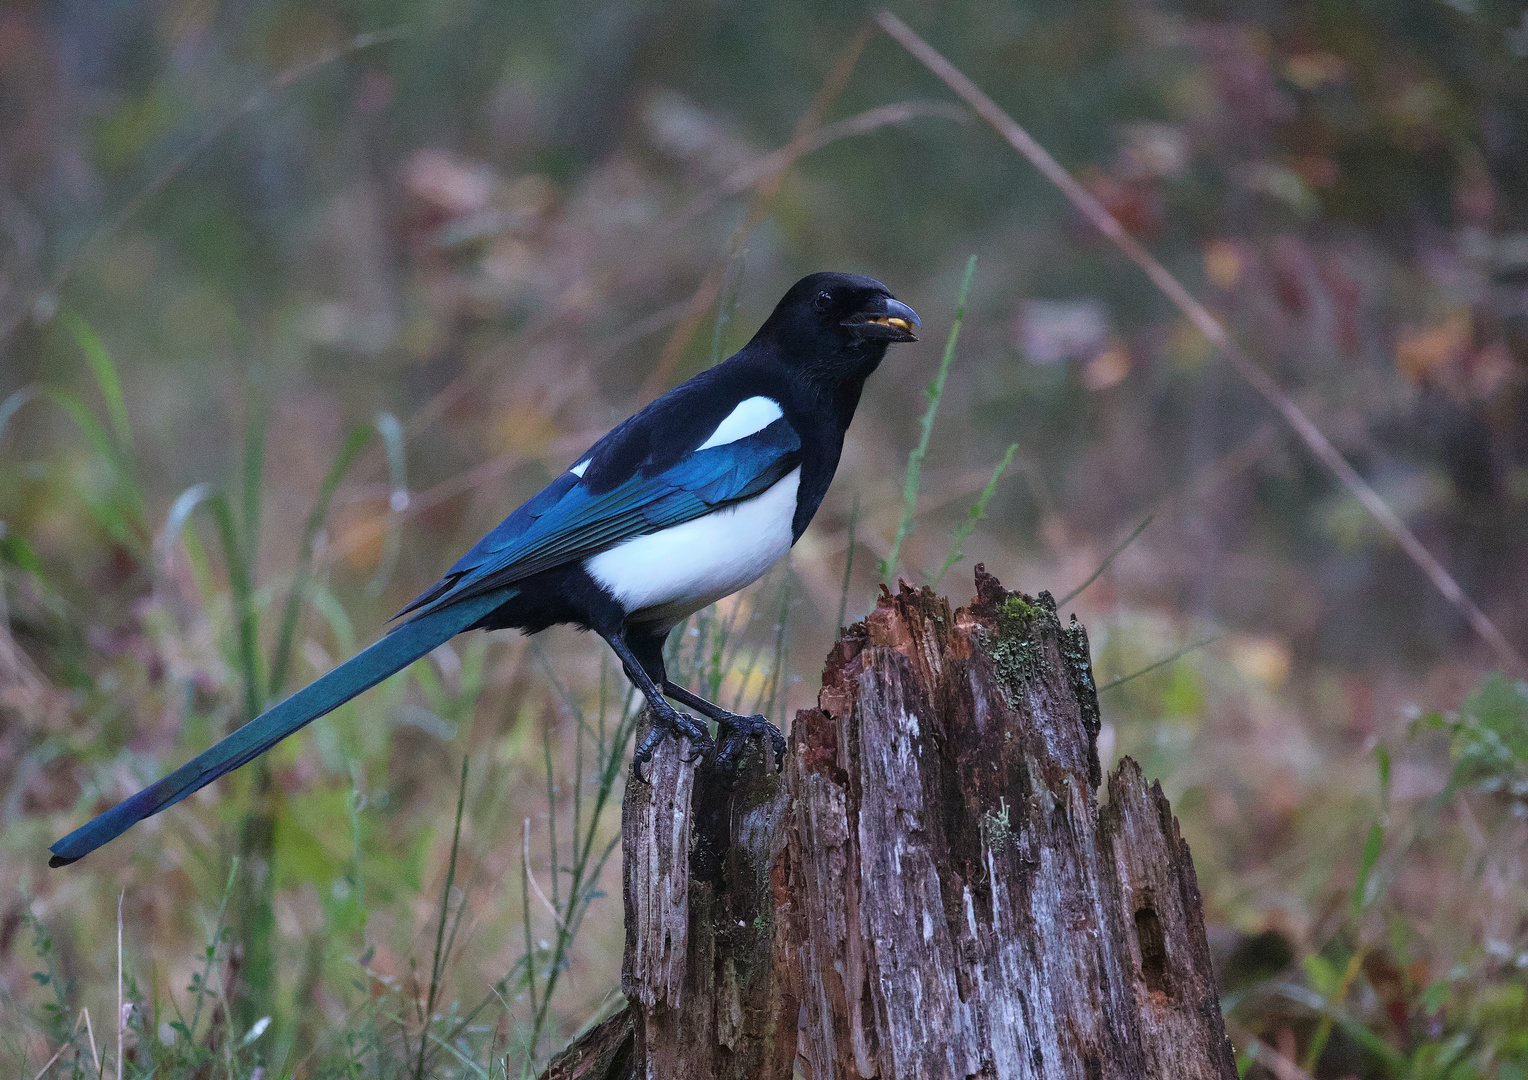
pixel 734 734
pixel 679 726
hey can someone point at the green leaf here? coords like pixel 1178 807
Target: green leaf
pixel 1438 993
pixel 1382 763
pixel 1322 974
pixel 106 376
pixel 1372 848
pixel 15 550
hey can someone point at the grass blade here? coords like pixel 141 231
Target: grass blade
pixel 398 501
pixel 1372 847
pixel 120 513
pixel 96 435
pixel 121 1020
pixel 355 442
pixel 525 912
pixel 181 509
pixel 12 405
pixel 178 525
pixel 915 459
pixel 254 462
pixel 964 530
pixel 106 377
pixel 213 941
pixel 775 687
pixel 243 603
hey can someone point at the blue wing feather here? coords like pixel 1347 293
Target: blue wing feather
pixel 568 520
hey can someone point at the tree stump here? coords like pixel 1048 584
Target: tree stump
pixel 930 889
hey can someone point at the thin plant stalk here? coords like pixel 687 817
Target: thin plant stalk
pixel 758 208
pixel 121 1019
pixel 570 912
pixel 915 459
pixel 212 946
pixel 1109 558
pixel 525 913
pixel 578 787
pixel 1122 680
pixel 551 807
pixel 244 604
pixel 437 965
pixel 765 702
pixel 964 530
pixel 843 594
pixel 731 297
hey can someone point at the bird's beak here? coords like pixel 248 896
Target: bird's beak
pixel 886 318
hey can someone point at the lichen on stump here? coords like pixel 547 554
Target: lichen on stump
pixel 931 889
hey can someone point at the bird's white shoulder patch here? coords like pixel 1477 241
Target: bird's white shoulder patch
pixel 750 415
pixel 578 470
pixel 664 576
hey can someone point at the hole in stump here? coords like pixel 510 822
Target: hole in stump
pixel 1148 930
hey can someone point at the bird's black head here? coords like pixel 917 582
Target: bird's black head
pixel 838 325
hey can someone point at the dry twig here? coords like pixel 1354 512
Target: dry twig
pixel 764 196
pixel 1211 327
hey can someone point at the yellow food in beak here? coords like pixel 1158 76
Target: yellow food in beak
pixel 887 320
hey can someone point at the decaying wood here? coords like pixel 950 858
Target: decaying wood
pixel 601 1053
pixel 703 951
pixel 931 888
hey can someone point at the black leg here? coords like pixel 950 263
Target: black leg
pixel 668 720
pixel 734 730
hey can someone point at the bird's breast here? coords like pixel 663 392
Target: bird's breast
pixel 665 576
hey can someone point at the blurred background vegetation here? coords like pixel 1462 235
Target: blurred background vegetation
pixel 249 259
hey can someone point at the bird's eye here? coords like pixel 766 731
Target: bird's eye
pixel 821 301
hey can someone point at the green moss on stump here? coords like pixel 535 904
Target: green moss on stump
pixel 1018 647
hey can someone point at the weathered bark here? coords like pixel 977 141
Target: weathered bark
pixel 931 888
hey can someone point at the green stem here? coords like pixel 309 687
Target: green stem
pixel 964 530
pixel 843 595
pixel 915 459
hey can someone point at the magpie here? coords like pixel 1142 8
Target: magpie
pixel 686 502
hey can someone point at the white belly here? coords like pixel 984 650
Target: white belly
pixel 665 576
